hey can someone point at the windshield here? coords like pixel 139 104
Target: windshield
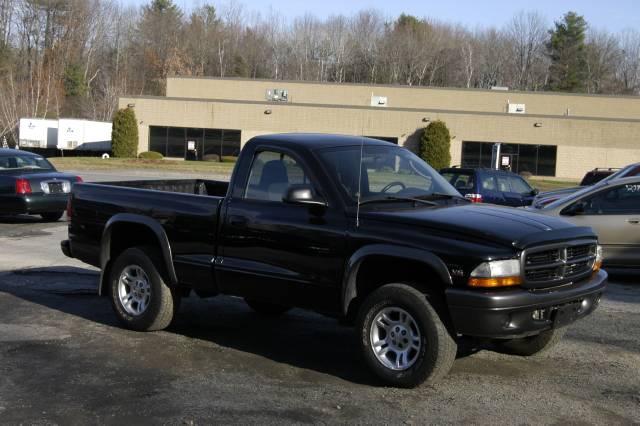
pixel 387 171
pixel 24 162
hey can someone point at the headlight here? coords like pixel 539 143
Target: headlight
pixel 497 273
pixel 599 258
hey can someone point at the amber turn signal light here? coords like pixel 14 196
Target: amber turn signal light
pixel 494 282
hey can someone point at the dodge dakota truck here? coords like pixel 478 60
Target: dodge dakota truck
pixel 354 228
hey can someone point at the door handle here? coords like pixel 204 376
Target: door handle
pixel 237 220
pixel 634 221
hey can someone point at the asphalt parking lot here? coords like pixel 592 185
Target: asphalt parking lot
pixel 65 360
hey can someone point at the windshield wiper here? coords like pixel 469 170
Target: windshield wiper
pixel 440 196
pixel 392 198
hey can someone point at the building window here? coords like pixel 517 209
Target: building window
pixel 539 160
pixel 158 139
pixel 194 143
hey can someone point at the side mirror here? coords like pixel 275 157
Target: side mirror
pixel 535 191
pixel 574 210
pixel 302 194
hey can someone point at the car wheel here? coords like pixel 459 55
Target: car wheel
pixel 139 294
pixel 402 338
pixel 532 345
pixel 51 216
pixel 266 308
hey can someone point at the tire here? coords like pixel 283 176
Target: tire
pixel 532 345
pixel 154 304
pixel 430 349
pixel 266 308
pixel 51 216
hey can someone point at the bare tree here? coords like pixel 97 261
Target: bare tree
pixel 528 32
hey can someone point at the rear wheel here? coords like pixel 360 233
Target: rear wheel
pixel 532 345
pixel 266 308
pixel 139 294
pixel 51 216
pixel 402 338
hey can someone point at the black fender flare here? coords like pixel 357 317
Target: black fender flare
pixel 153 225
pixel 349 284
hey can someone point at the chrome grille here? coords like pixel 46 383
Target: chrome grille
pixel 557 264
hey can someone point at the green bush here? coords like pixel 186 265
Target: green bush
pixel 435 145
pixel 150 155
pixel 211 157
pixel 124 134
pixel 229 158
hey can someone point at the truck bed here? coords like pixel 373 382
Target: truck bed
pixel 187 209
pixel 184 186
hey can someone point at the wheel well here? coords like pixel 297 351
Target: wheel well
pixel 127 235
pixel 376 271
pixel 123 236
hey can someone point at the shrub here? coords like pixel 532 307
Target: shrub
pixel 124 135
pixel 435 145
pixel 211 157
pixel 229 159
pixel 150 155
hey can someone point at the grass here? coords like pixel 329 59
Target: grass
pixel 93 163
pixel 210 167
pixel 551 184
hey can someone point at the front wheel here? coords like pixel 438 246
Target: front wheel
pixel 402 338
pixel 532 345
pixel 139 295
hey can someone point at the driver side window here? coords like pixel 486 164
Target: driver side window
pixel 624 199
pixel 271 175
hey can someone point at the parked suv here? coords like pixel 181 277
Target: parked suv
pixel 490 186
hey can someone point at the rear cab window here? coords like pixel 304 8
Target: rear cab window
pixel 460 180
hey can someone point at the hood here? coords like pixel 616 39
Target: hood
pixel 562 191
pixel 503 225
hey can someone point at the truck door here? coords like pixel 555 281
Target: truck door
pixel 279 252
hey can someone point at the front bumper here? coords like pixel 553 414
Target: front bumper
pixel 520 312
pixel 34 203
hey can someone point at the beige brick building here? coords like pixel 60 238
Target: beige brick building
pixel 549 134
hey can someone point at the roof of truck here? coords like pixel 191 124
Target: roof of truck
pixel 318 140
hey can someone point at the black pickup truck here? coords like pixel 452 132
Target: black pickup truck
pixel 355 228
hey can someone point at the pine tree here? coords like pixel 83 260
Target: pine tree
pixel 435 145
pixel 567 50
pixel 124 134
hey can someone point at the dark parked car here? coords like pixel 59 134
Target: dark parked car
pixel 30 184
pixel 594 177
pixel 490 186
pixel 355 228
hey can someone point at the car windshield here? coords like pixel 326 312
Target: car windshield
pixel 23 162
pixel 387 172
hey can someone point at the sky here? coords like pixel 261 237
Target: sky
pixel 612 15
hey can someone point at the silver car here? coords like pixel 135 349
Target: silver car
pixel 612 209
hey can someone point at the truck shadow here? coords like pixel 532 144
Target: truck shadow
pixel 298 338
pixel 20 219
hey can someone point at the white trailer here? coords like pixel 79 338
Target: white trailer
pixel 38 133
pixel 84 135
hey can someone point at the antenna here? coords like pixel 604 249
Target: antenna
pixel 360 175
